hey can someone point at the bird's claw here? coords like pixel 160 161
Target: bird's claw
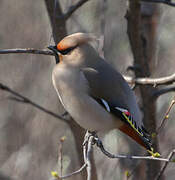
pixel 87 136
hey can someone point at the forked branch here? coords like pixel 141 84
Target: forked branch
pixel 20 98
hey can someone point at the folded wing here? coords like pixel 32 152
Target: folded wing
pixel 119 102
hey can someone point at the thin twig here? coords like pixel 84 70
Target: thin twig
pixel 73 8
pixel 26 100
pixel 60 154
pixel 167 2
pixel 162 91
pixel 165 165
pixel 100 145
pixel 103 8
pixel 87 150
pixel 151 81
pixel 165 117
pixel 74 173
pixel 26 51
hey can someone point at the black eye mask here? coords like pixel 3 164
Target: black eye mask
pixel 63 52
pixel 67 51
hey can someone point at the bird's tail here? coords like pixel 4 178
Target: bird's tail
pixel 143 140
pixel 146 143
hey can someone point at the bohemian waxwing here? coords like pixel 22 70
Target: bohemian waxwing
pixel 93 92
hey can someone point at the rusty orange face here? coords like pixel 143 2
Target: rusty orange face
pixel 61 46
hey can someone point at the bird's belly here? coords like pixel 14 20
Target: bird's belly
pixel 88 113
pixel 74 95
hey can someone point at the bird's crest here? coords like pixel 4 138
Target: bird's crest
pixel 74 40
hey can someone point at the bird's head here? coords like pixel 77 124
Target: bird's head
pixel 73 47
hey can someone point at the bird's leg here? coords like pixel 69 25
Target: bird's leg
pixel 88 135
pixel 97 141
pixel 86 138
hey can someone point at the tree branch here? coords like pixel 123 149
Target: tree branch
pixel 72 9
pixel 21 98
pixel 165 117
pixel 58 25
pixel 26 51
pixel 142 33
pixel 165 165
pixel 162 91
pixel 167 2
pixel 108 154
pixel 151 81
pixel 87 153
pixel 55 174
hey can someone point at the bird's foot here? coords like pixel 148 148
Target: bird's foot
pixel 88 135
pixel 153 154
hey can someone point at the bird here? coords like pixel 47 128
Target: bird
pixel 93 92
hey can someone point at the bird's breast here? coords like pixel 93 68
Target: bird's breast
pixel 72 90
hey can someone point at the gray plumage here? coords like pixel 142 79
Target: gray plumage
pixel 82 79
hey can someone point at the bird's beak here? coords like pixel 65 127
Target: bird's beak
pixel 53 48
pixel 55 51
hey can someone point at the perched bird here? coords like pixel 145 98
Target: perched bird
pixel 93 92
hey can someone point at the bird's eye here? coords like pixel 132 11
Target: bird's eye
pixel 67 51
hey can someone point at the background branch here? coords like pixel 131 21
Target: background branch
pixel 167 2
pixel 165 165
pixel 23 99
pixel 151 81
pixel 165 117
pixel 142 33
pixel 58 25
pixel 87 154
pixel 163 90
pixel 26 51
pixel 72 9
pixel 108 154
pixel 73 173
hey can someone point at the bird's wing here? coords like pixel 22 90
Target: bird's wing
pixel 112 98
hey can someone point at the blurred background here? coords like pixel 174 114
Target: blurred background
pixel 29 138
